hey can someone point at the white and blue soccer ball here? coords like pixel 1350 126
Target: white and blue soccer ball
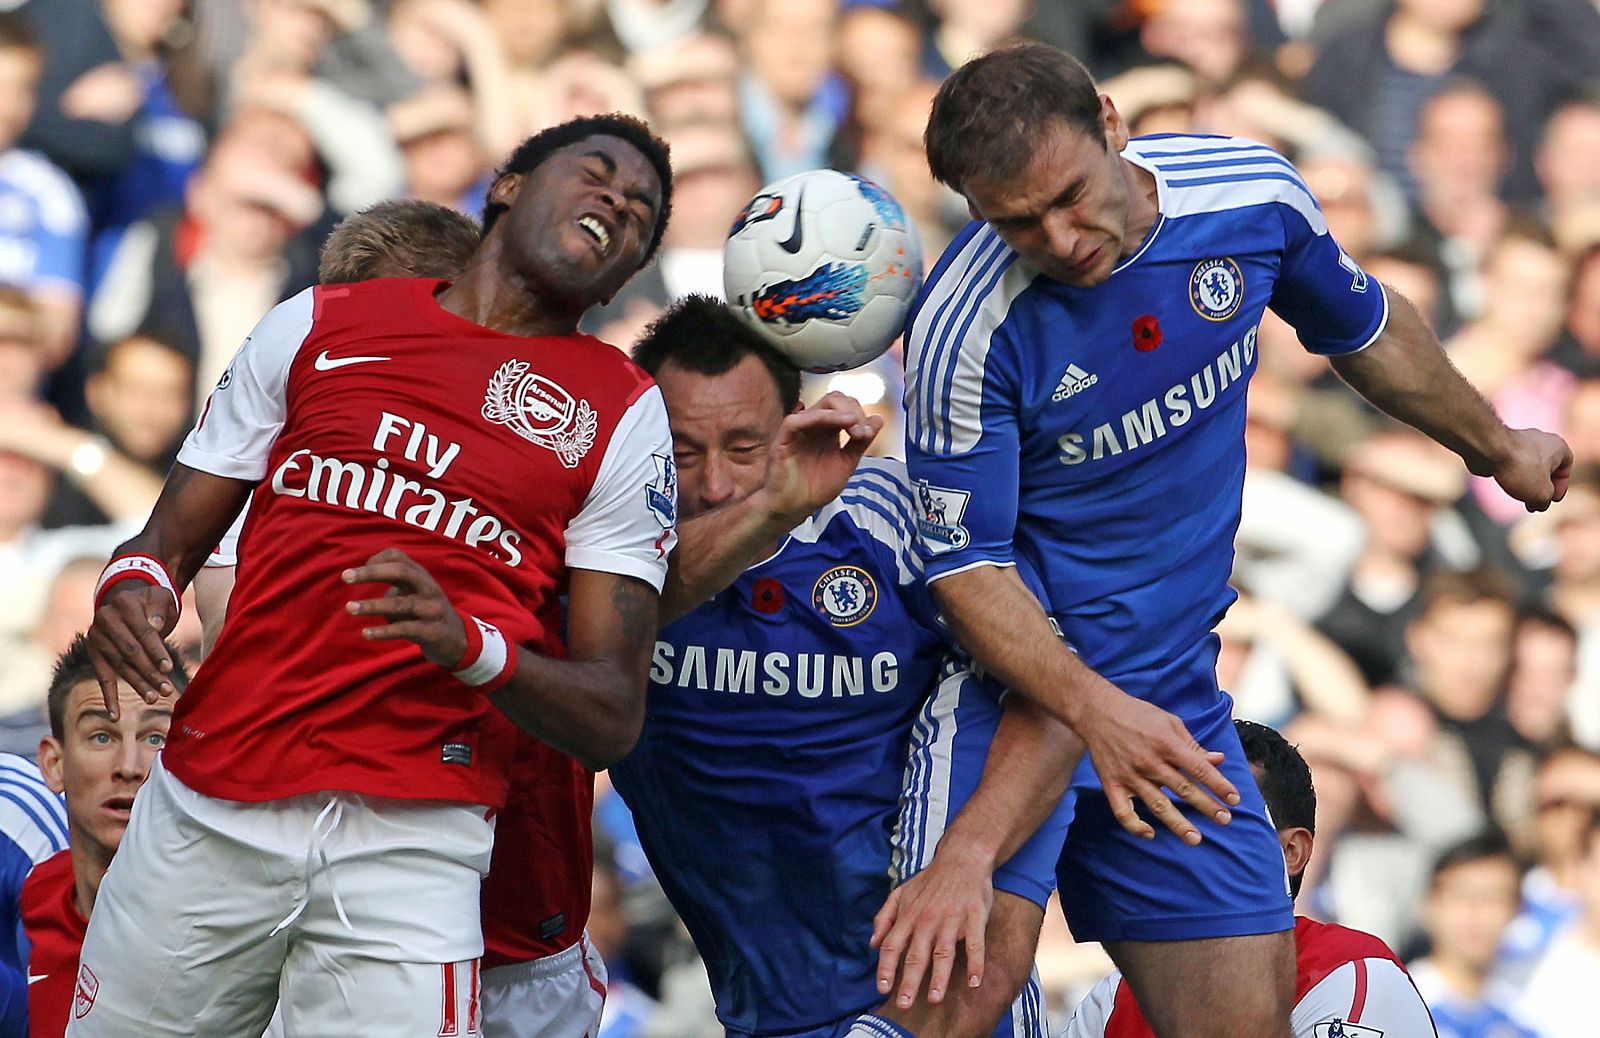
pixel 825 265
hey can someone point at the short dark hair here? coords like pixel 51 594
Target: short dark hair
pixel 74 667
pixel 1467 587
pixel 1284 776
pixel 626 128
pixel 1482 846
pixel 401 238
pixel 17 33
pixel 702 335
pixel 988 116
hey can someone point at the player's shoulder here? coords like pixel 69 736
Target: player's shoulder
pixel 968 294
pixel 1205 173
pixel 42 890
pixel 874 508
pixel 32 817
pixel 1321 948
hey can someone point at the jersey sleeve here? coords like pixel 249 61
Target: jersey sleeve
pixel 628 523
pixel 245 413
pixel 962 449
pixel 1364 998
pixel 1324 294
pixel 1089 1020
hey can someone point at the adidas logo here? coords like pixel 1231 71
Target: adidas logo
pixel 1076 380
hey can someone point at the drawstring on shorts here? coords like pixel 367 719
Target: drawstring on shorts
pixel 317 861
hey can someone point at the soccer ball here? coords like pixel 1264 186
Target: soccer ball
pixel 825 265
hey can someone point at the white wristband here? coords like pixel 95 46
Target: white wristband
pixel 147 568
pixel 488 657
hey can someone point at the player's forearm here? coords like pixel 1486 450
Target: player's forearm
pixel 1407 375
pixel 998 620
pixel 715 547
pixel 1028 770
pixel 591 710
pixel 189 518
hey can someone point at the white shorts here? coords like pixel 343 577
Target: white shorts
pixel 558 996
pixel 359 913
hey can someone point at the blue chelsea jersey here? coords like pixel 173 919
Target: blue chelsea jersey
pixel 766 783
pixel 1096 435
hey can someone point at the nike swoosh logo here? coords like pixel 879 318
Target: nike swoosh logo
pixel 32 980
pixel 791 244
pixel 327 363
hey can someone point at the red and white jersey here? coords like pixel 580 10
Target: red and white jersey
pixel 536 896
pixel 55 932
pixel 376 419
pixel 1348 984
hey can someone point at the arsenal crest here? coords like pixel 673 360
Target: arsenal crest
pixel 540 411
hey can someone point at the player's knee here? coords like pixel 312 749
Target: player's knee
pixel 968 1012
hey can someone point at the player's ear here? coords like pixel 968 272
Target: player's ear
pixel 50 764
pixel 1297 843
pixel 1115 127
pixel 505 188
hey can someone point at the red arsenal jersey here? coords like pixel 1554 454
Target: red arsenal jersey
pixel 55 930
pixel 1348 984
pixel 375 419
pixel 536 896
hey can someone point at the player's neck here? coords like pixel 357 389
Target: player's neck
pixel 490 294
pixel 89 865
pixel 1144 206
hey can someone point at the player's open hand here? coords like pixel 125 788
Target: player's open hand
pixel 926 917
pixel 125 641
pixel 414 609
pixel 1139 751
pixel 811 462
pixel 1536 470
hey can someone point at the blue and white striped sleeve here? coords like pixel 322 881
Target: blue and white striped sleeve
pixel 961 405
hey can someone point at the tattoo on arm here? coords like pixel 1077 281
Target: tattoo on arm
pixel 634 603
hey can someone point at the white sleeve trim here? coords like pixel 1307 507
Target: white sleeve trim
pixel 628 524
pixel 932 577
pixel 244 414
pixel 226 553
pixel 1383 323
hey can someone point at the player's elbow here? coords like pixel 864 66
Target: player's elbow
pixel 615 737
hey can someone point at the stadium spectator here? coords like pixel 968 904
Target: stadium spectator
pixel 1207 36
pixel 45 231
pixel 1575 588
pixel 790 102
pixel 23 360
pixel 1568 160
pixel 140 396
pixel 968 28
pixel 1398 484
pixel 449 42
pixel 168 142
pixel 1375 74
pixel 1276 666
pixel 1473 895
pixel 437 133
pixel 1561 999
pixel 1582 421
pixel 98 764
pixel 879 59
pixel 26 677
pixel 1566 792
pixel 1578 349
pixel 1543 685
pixel 692 82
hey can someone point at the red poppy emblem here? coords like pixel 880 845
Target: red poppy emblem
pixel 766 596
pixel 1146 333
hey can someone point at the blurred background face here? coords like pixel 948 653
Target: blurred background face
pixel 1206 35
pixel 1583 421
pixel 1565 792
pixel 697 84
pixel 1578 546
pixel 140 24
pixel 24 489
pixel 1462 651
pixel 987 21
pixel 530 30
pixel 1460 149
pixel 289 33
pixel 19 82
pixel 69 609
pixel 879 55
pixel 1344 189
pixel 1470 906
pixel 442 166
pixel 1569 159
pixel 430 55
pixel 1397 522
pixel 1415 281
pixel 789 46
pixel 141 398
pixel 1583 306
pixel 1527 293
pixel 1545 663
pixel 1443 15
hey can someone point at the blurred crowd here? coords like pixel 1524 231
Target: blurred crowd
pixel 168 170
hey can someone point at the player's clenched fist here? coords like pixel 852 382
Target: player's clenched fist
pixel 125 641
pixel 414 609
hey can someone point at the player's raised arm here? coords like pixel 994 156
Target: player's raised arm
pixel 808 467
pixel 1406 373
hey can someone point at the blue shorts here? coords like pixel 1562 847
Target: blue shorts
pixel 1027 1019
pixel 949 745
pixel 1118 887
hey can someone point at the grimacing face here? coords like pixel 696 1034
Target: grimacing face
pixel 579 224
pixel 1070 213
pixel 723 427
